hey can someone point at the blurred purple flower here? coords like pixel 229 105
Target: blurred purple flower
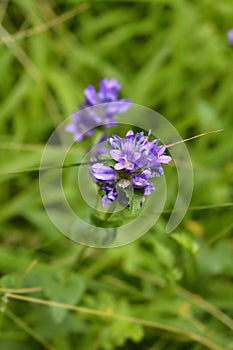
pixel 108 92
pixel 131 162
pixel 106 105
pixel 230 36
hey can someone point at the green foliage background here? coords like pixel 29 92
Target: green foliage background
pixel 162 291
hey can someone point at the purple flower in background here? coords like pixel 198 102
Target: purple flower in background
pixel 230 36
pixel 126 166
pixel 83 124
pixel 108 92
pixel 106 105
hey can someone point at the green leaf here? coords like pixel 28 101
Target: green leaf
pixel 64 288
pixel 122 331
pixel 186 241
pixel 7 281
pixel 164 255
pixel 135 203
pixel 109 162
pixel 59 286
pixel 128 191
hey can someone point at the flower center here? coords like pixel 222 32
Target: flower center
pixel 123 175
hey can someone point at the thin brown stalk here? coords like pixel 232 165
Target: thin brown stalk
pixel 21 290
pixel 21 324
pixel 156 325
pixel 194 137
pixel 210 308
pixel 6 38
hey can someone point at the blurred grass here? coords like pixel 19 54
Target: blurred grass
pixel 172 56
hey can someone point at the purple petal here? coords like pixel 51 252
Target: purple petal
pixel 76 116
pixel 110 84
pixel 109 90
pixel 115 154
pixel 119 166
pixel 105 201
pixel 230 36
pixel 112 195
pixel 136 156
pixel 90 95
pixel 164 159
pixel 115 141
pixel 78 137
pixel 160 149
pixel 109 198
pixel 149 189
pixel 147 174
pixel 130 133
pixel 139 181
pixel 118 107
pixel 70 128
pixel 103 172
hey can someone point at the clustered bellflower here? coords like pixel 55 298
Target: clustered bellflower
pixel 106 105
pixel 230 36
pixel 127 163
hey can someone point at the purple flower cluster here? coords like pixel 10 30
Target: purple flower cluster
pixel 230 36
pixel 127 163
pixel 105 105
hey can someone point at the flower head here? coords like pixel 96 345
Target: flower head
pixel 127 163
pixel 108 92
pixel 136 152
pixel 106 105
